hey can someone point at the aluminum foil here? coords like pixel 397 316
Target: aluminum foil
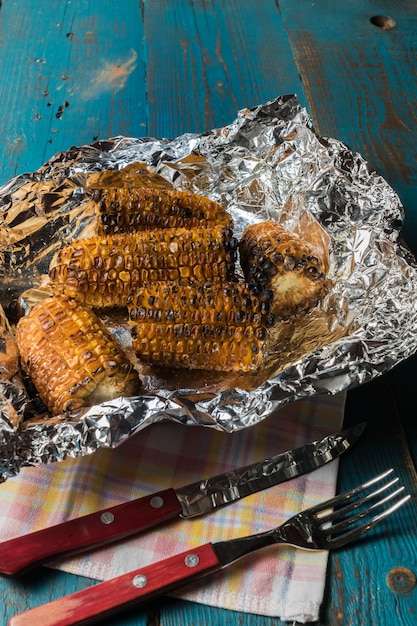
pixel 269 163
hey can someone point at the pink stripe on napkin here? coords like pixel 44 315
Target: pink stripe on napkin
pixel 280 581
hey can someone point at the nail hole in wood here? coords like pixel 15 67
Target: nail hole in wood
pixel 383 21
pixel 401 579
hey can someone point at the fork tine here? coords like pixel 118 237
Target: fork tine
pixel 355 533
pixel 347 495
pixel 337 513
pixel 352 519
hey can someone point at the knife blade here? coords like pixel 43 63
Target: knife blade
pixel 112 524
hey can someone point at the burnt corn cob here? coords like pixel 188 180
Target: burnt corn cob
pixel 281 267
pixel 206 326
pixel 130 210
pixel 102 271
pixel 72 359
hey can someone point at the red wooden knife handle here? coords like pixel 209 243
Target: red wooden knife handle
pixel 105 599
pixel 87 532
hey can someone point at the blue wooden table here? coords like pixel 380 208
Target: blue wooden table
pixel 75 71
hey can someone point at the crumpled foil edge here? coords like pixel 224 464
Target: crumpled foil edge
pixel 375 280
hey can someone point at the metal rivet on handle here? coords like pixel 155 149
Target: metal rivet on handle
pixel 156 502
pixel 140 581
pixel 107 517
pixel 191 560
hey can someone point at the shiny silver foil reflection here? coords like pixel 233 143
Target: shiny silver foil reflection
pixel 267 164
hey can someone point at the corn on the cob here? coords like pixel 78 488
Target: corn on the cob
pixel 72 359
pixel 136 209
pixel 102 271
pixel 210 326
pixel 282 266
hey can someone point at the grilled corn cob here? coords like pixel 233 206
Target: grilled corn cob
pixel 282 266
pixel 71 357
pixel 102 271
pixel 131 210
pixel 210 326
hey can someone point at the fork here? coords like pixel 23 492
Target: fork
pixel 326 526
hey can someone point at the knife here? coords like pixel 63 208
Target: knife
pixel 114 523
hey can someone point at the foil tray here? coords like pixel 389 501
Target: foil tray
pixel 269 163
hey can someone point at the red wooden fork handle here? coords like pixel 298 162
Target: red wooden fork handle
pixel 104 599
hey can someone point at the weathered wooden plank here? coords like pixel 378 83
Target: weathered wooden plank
pixel 71 73
pixel 208 59
pixel 358 591
pixel 361 83
pixel 174 612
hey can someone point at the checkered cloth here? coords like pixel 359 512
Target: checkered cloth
pixel 279 581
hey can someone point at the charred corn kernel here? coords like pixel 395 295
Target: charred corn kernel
pixel 229 303
pixel 72 359
pixel 281 267
pixel 206 326
pixel 131 210
pixel 102 271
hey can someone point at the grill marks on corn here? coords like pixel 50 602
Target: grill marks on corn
pixel 170 257
pixel 71 357
pixel 209 326
pixel 130 210
pixel 103 271
pixel 281 267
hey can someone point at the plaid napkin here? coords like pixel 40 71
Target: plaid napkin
pixel 279 581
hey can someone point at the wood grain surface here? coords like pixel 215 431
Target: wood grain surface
pixel 73 72
pixel 361 82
